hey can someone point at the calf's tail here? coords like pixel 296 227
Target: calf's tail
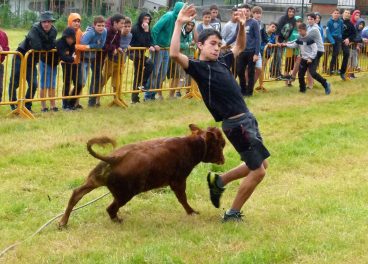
pixel 101 141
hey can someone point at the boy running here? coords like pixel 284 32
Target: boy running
pixel 222 96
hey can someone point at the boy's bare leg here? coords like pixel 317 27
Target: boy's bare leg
pixel 52 94
pixel 248 186
pixel 43 95
pixel 238 172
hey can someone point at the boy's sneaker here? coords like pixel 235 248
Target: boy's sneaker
pixel 343 76
pixel 215 191
pixel 44 110
pixel 233 217
pixel 178 94
pixel 54 109
pixel 78 106
pixel 328 88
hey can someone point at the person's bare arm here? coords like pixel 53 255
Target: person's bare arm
pixel 186 14
pixel 241 38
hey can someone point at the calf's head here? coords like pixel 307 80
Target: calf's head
pixel 214 143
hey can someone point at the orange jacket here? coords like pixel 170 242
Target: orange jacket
pixel 78 36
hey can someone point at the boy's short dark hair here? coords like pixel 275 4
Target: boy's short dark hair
pixel 302 26
pixel 98 19
pixel 245 6
pixel 214 7
pixel 206 12
pixel 205 34
pixel 116 18
pixel 312 15
pixel 257 9
pixel 128 20
pixel 234 9
pixel 349 10
pixel 273 23
pixel 337 9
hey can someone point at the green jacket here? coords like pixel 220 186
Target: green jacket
pixel 186 40
pixel 162 31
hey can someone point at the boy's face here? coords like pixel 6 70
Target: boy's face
pixel 257 16
pixel 346 15
pixel 233 16
pixel 272 28
pixel 76 24
pixel 298 23
pixel 189 27
pixel 318 19
pixel 302 32
pixel 118 26
pixel 291 13
pixel 206 19
pixel 210 49
pixel 99 27
pixel 214 13
pixel 335 14
pixel 311 21
pixel 361 26
pixel 69 40
pixel 246 12
pixel 356 16
pixel 126 29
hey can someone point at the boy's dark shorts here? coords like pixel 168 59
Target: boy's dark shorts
pixel 244 135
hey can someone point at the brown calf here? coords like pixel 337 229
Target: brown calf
pixel 144 166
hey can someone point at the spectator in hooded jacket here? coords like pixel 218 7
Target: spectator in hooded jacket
pixel 94 38
pixel 4 46
pixel 359 26
pixel 348 36
pixel 355 16
pixel 161 35
pixel 334 36
pixel 143 66
pixel 65 47
pixel 41 37
pixel 75 70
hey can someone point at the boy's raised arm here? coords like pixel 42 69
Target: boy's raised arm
pixel 241 37
pixel 186 14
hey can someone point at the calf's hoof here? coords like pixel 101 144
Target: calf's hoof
pixel 116 219
pixel 194 213
pixel 62 225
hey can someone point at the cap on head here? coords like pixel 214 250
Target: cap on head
pixel 47 16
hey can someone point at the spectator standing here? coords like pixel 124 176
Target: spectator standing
pixel 334 36
pixel 206 19
pixel 4 46
pixel 143 66
pixel 229 30
pixel 161 35
pixel 94 38
pixel 41 37
pixel 215 20
pixel 348 36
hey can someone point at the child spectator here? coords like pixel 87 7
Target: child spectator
pixel 308 53
pixel 268 36
pixel 111 68
pixel 359 25
pixel 229 30
pixel 94 38
pixel 206 19
pixel 355 17
pixel 334 36
pixel 348 36
pixel 187 47
pixel 248 57
pixel 257 15
pixel 143 66
pixel 4 46
pixel 215 21
pixel 161 35
pixel 65 47
pixel 318 22
pixel 75 69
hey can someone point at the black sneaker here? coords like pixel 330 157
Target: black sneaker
pixel 44 110
pixel 233 217
pixel 215 191
pixel 78 106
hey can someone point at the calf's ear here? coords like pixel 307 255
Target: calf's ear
pixel 210 136
pixel 195 129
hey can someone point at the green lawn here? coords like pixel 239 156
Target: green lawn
pixel 311 207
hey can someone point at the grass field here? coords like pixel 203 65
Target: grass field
pixel 311 207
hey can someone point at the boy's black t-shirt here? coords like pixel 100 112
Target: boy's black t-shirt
pixel 219 89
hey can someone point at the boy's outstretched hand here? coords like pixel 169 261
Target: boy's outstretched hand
pixel 186 14
pixel 240 17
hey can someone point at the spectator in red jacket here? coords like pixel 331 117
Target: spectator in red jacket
pixel 4 46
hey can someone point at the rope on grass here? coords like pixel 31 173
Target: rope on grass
pixel 2 253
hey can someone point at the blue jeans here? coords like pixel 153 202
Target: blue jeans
pixel 95 84
pixel 160 67
pixel 31 77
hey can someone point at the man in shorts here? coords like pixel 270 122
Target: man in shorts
pixel 221 95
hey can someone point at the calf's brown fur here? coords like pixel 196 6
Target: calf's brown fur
pixel 144 166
